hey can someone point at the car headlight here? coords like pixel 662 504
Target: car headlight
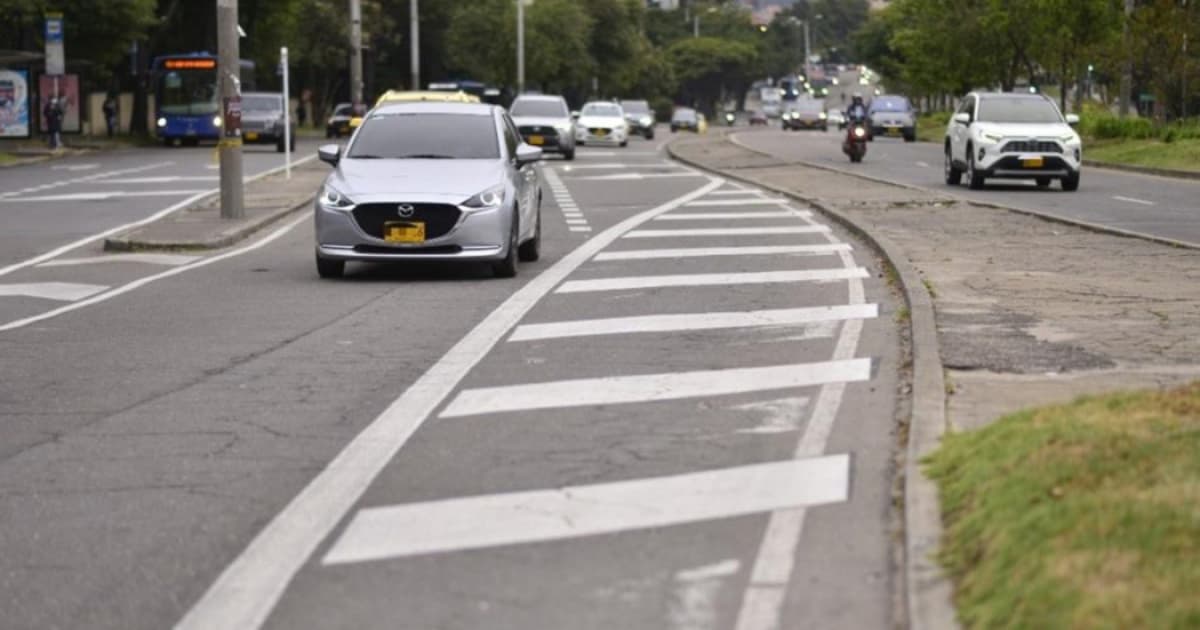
pixel 1070 139
pixel 330 197
pixel 646 121
pixel 162 122
pixel 489 198
pixel 991 137
pixel 620 128
pixel 823 116
pixel 216 121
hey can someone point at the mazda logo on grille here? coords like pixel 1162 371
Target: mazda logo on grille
pixel 405 210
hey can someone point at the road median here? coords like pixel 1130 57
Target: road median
pixel 1023 312
pixel 199 226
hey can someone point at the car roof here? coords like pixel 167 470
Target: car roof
pixel 433 107
pixel 403 96
pixel 540 97
pixel 1022 95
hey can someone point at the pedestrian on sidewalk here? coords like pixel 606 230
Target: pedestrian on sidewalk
pixel 53 114
pixel 110 114
pixel 300 114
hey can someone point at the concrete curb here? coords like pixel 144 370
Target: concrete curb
pixel 1041 214
pixel 1144 170
pixel 125 242
pixel 928 592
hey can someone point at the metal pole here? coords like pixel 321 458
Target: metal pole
pixel 1127 63
pixel 414 35
pixel 287 115
pixel 695 26
pixel 229 149
pixel 356 70
pixel 807 54
pixel 520 46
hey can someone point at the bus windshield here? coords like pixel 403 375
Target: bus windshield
pixel 191 92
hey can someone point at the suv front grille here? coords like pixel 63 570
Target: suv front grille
pixel 1031 146
pixel 538 130
pixel 439 218
pixel 595 131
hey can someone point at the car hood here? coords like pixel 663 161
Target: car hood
pixel 1025 130
pixel 446 181
pixel 601 121
pixel 538 121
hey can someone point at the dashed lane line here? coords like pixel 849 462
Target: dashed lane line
pixel 697 252
pixel 710 279
pixel 754 231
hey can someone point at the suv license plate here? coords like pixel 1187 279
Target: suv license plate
pixel 537 141
pixel 404 232
pixel 1033 162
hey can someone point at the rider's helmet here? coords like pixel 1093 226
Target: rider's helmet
pixel 858 98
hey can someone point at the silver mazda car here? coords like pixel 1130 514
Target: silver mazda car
pixel 431 181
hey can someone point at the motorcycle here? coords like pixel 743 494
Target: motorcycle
pixel 855 144
pixel 730 118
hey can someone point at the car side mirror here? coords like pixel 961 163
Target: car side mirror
pixel 574 115
pixel 330 154
pixel 1072 119
pixel 962 118
pixel 528 154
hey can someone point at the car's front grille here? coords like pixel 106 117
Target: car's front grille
pixel 595 131
pixel 1031 146
pixel 257 125
pixel 538 130
pixel 408 251
pixel 439 218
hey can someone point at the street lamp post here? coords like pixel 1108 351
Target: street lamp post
pixel 414 35
pixel 356 69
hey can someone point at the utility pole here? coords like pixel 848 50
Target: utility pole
pixel 356 69
pixel 520 46
pixel 414 35
pixel 229 149
pixel 1127 64
pixel 696 25
pixel 807 53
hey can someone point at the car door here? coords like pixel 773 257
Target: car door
pixel 961 132
pixel 525 182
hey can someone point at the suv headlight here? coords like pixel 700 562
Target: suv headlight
pixel 991 137
pixel 489 198
pixel 331 198
pixel 1071 139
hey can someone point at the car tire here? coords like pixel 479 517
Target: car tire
pixel 624 143
pixel 507 267
pixel 975 179
pixel 531 250
pixel 1042 182
pixel 953 173
pixel 279 146
pixel 910 137
pixel 1070 183
pixel 650 134
pixel 569 154
pixel 330 268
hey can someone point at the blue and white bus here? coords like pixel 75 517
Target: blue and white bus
pixel 186 96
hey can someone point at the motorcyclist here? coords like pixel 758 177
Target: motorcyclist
pixel 857 112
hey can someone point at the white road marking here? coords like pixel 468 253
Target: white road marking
pixel 639 176
pixel 612 390
pixel 694 602
pixel 713 216
pixel 88 178
pixel 579 228
pixel 571 221
pixel 578 511
pixel 777 416
pixel 752 201
pixel 692 321
pixel 735 191
pixel 601 165
pixel 710 279
pixel 762 603
pixel 246 592
pixel 58 251
pixel 171 260
pixel 103 196
pixel 166 179
pixel 1142 202
pixel 758 250
pixel 755 231
pixel 923 164
pixel 74 167
pixel 61 291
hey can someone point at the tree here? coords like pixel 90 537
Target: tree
pixel 707 67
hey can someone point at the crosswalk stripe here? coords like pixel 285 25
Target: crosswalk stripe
pixel 758 250
pixel 103 196
pixel 710 279
pixel 692 321
pixel 577 511
pixel 753 231
pixel 61 291
pixel 651 387
pixel 170 260
pixel 735 191
pixel 713 216
pixel 752 201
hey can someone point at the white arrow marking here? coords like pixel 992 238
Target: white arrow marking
pixel 170 260
pixel 61 291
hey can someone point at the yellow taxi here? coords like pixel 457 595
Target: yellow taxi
pixel 413 96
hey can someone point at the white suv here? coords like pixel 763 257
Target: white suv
pixel 1012 136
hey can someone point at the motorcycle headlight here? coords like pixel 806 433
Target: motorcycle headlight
pixel 859 132
pixel 331 198
pixel 216 121
pixel 489 198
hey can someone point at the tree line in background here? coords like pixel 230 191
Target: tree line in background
pixel 703 55
pixel 940 49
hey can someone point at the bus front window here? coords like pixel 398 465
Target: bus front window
pixel 190 92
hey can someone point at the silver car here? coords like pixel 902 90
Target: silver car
pixel 545 121
pixel 430 181
pixel 262 120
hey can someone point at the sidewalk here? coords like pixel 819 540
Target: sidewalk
pixel 200 226
pixel 1027 312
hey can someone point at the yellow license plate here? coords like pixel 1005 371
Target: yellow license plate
pixel 404 232
pixel 601 132
pixel 250 135
pixel 537 140
pixel 893 131
pixel 1033 162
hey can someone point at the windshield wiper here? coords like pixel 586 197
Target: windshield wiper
pixel 426 156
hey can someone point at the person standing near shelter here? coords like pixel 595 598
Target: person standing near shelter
pixel 53 114
pixel 110 114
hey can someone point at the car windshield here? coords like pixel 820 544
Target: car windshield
pixel 601 109
pixel 344 110
pixel 1017 110
pixel 426 136
pixel 684 115
pixel 538 108
pixel 636 107
pixel 891 104
pixel 807 106
pixel 261 103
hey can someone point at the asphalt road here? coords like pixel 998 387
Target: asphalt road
pixel 682 417
pixel 1157 206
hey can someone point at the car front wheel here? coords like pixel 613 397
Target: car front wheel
pixel 507 267
pixel 1070 183
pixel 953 173
pixel 329 268
pixel 531 250
pixel 975 179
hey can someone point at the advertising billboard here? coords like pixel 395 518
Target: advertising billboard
pixel 14 103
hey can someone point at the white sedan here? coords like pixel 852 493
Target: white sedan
pixel 602 122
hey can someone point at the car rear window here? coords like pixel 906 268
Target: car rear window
pixel 426 136
pixel 1017 110
pixel 538 108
